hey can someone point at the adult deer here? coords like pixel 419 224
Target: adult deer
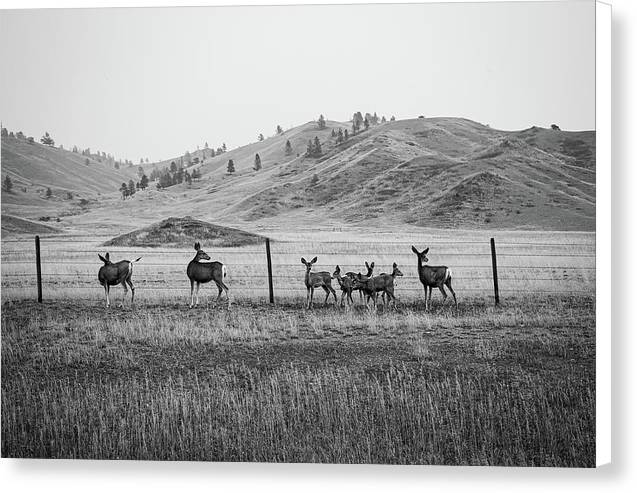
pixel 201 270
pixel 317 280
pixel 433 277
pixel 111 274
pixel 353 275
pixel 384 283
pixel 347 285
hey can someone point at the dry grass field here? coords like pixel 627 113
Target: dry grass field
pixel 512 385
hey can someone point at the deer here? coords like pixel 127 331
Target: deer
pixel 433 277
pixel 201 270
pixel 353 276
pixel 112 274
pixel 347 285
pixel 317 280
pixel 382 283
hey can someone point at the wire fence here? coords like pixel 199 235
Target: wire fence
pixel 68 270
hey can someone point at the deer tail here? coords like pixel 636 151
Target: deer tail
pixel 136 260
pixel 448 275
pixel 224 271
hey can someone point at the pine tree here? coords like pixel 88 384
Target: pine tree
pixel 123 190
pixel 87 162
pixel 46 139
pixel 257 162
pixel 187 158
pixel 288 148
pixel 314 180
pixel 4 132
pixel 383 119
pixel 321 122
pixel 392 119
pixel 231 166
pixel 48 193
pixel 131 187
pixel 317 147
pixel 279 130
pixel 261 138
pixel 144 182
pixel 346 134
pixel 366 123
pixel 339 137
pixel 310 148
pixel 333 133
pixel 7 184
pixel 223 147
pixel 173 167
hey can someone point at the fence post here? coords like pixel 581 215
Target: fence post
pixel 38 267
pixel 494 265
pixel 269 257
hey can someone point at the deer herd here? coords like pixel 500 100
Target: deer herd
pixel 201 269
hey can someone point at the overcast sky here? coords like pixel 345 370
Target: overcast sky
pixel 154 82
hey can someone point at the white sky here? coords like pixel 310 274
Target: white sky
pixel 154 82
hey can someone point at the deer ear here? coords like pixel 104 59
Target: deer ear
pixel 314 260
pixel 372 265
pixel 395 265
pixel 197 246
pixel 366 264
pixel 102 258
pixel 426 250
pixel 303 261
pixel 338 268
pixel 108 257
pixel 413 249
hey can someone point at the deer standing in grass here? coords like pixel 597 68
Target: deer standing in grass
pixel 201 270
pixel 317 280
pixel 111 274
pixel 384 283
pixel 433 277
pixel 353 276
pixel 347 285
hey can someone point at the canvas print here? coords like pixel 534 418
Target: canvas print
pixel 334 234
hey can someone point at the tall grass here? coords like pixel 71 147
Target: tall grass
pixel 298 414
pixel 507 386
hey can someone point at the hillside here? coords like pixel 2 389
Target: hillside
pixel 34 167
pixel 434 172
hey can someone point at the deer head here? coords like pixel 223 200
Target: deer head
pixel 370 269
pixel 200 255
pixel 308 265
pixel 396 272
pixel 105 258
pixel 422 256
pixel 337 271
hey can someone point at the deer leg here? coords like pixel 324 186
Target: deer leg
pixel 311 296
pixel 132 291
pixel 448 283
pixel 108 301
pixel 431 288
pixel 192 293
pixel 197 294
pixel 444 293
pixel 123 283
pixel 334 293
pixel 349 297
pixel 227 290
pixel 220 291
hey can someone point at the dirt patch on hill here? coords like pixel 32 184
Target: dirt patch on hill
pixel 183 232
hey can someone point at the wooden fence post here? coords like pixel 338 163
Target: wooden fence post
pixel 494 265
pixel 269 257
pixel 38 267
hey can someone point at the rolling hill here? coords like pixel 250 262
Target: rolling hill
pixel 429 172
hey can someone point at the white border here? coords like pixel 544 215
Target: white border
pixel 603 232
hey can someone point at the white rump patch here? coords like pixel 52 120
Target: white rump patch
pixel 448 274
pixel 224 270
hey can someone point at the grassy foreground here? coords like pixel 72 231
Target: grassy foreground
pixel 483 386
